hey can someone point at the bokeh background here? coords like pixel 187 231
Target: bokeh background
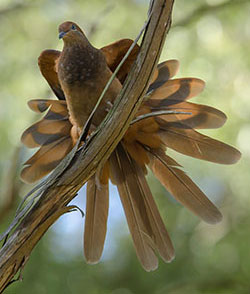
pixel 212 41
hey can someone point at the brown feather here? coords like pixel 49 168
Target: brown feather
pixel 95 220
pixel 151 140
pixel 163 72
pixel 41 105
pixel 45 132
pixel 182 187
pixel 47 62
pixel 114 54
pixel 53 126
pixel 137 152
pixel 159 233
pixel 38 105
pixel 194 115
pixel 192 143
pixel 46 159
pixel 28 140
pixel 69 74
pixel 140 206
pixel 134 208
pixel 104 174
pixel 178 89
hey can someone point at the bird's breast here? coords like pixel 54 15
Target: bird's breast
pixel 83 78
pixel 76 71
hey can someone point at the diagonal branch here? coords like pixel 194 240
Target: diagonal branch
pixel 55 198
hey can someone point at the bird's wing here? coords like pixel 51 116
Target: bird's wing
pixel 114 54
pixel 47 62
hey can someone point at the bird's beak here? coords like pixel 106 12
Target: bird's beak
pixel 61 35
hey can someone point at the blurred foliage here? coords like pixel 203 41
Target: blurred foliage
pixel 213 45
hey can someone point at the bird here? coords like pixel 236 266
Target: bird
pixel 77 75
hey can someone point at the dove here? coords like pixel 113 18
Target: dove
pixel 77 75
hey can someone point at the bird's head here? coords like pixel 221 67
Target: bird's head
pixel 70 31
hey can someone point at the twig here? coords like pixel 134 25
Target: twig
pixel 158 113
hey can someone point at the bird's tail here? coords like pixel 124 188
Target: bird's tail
pixel 165 120
pixel 54 134
pixel 145 223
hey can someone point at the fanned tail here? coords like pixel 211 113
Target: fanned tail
pixel 143 144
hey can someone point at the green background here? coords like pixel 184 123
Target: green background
pixel 211 39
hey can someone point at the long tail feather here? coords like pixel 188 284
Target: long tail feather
pixel 145 223
pixel 192 143
pixel 182 187
pixel 133 207
pixel 160 234
pixel 95 220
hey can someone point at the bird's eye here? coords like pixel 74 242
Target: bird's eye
pixel 73 27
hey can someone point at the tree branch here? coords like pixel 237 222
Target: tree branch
pixel 12 8
pixel 204 9
pixel 55 198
